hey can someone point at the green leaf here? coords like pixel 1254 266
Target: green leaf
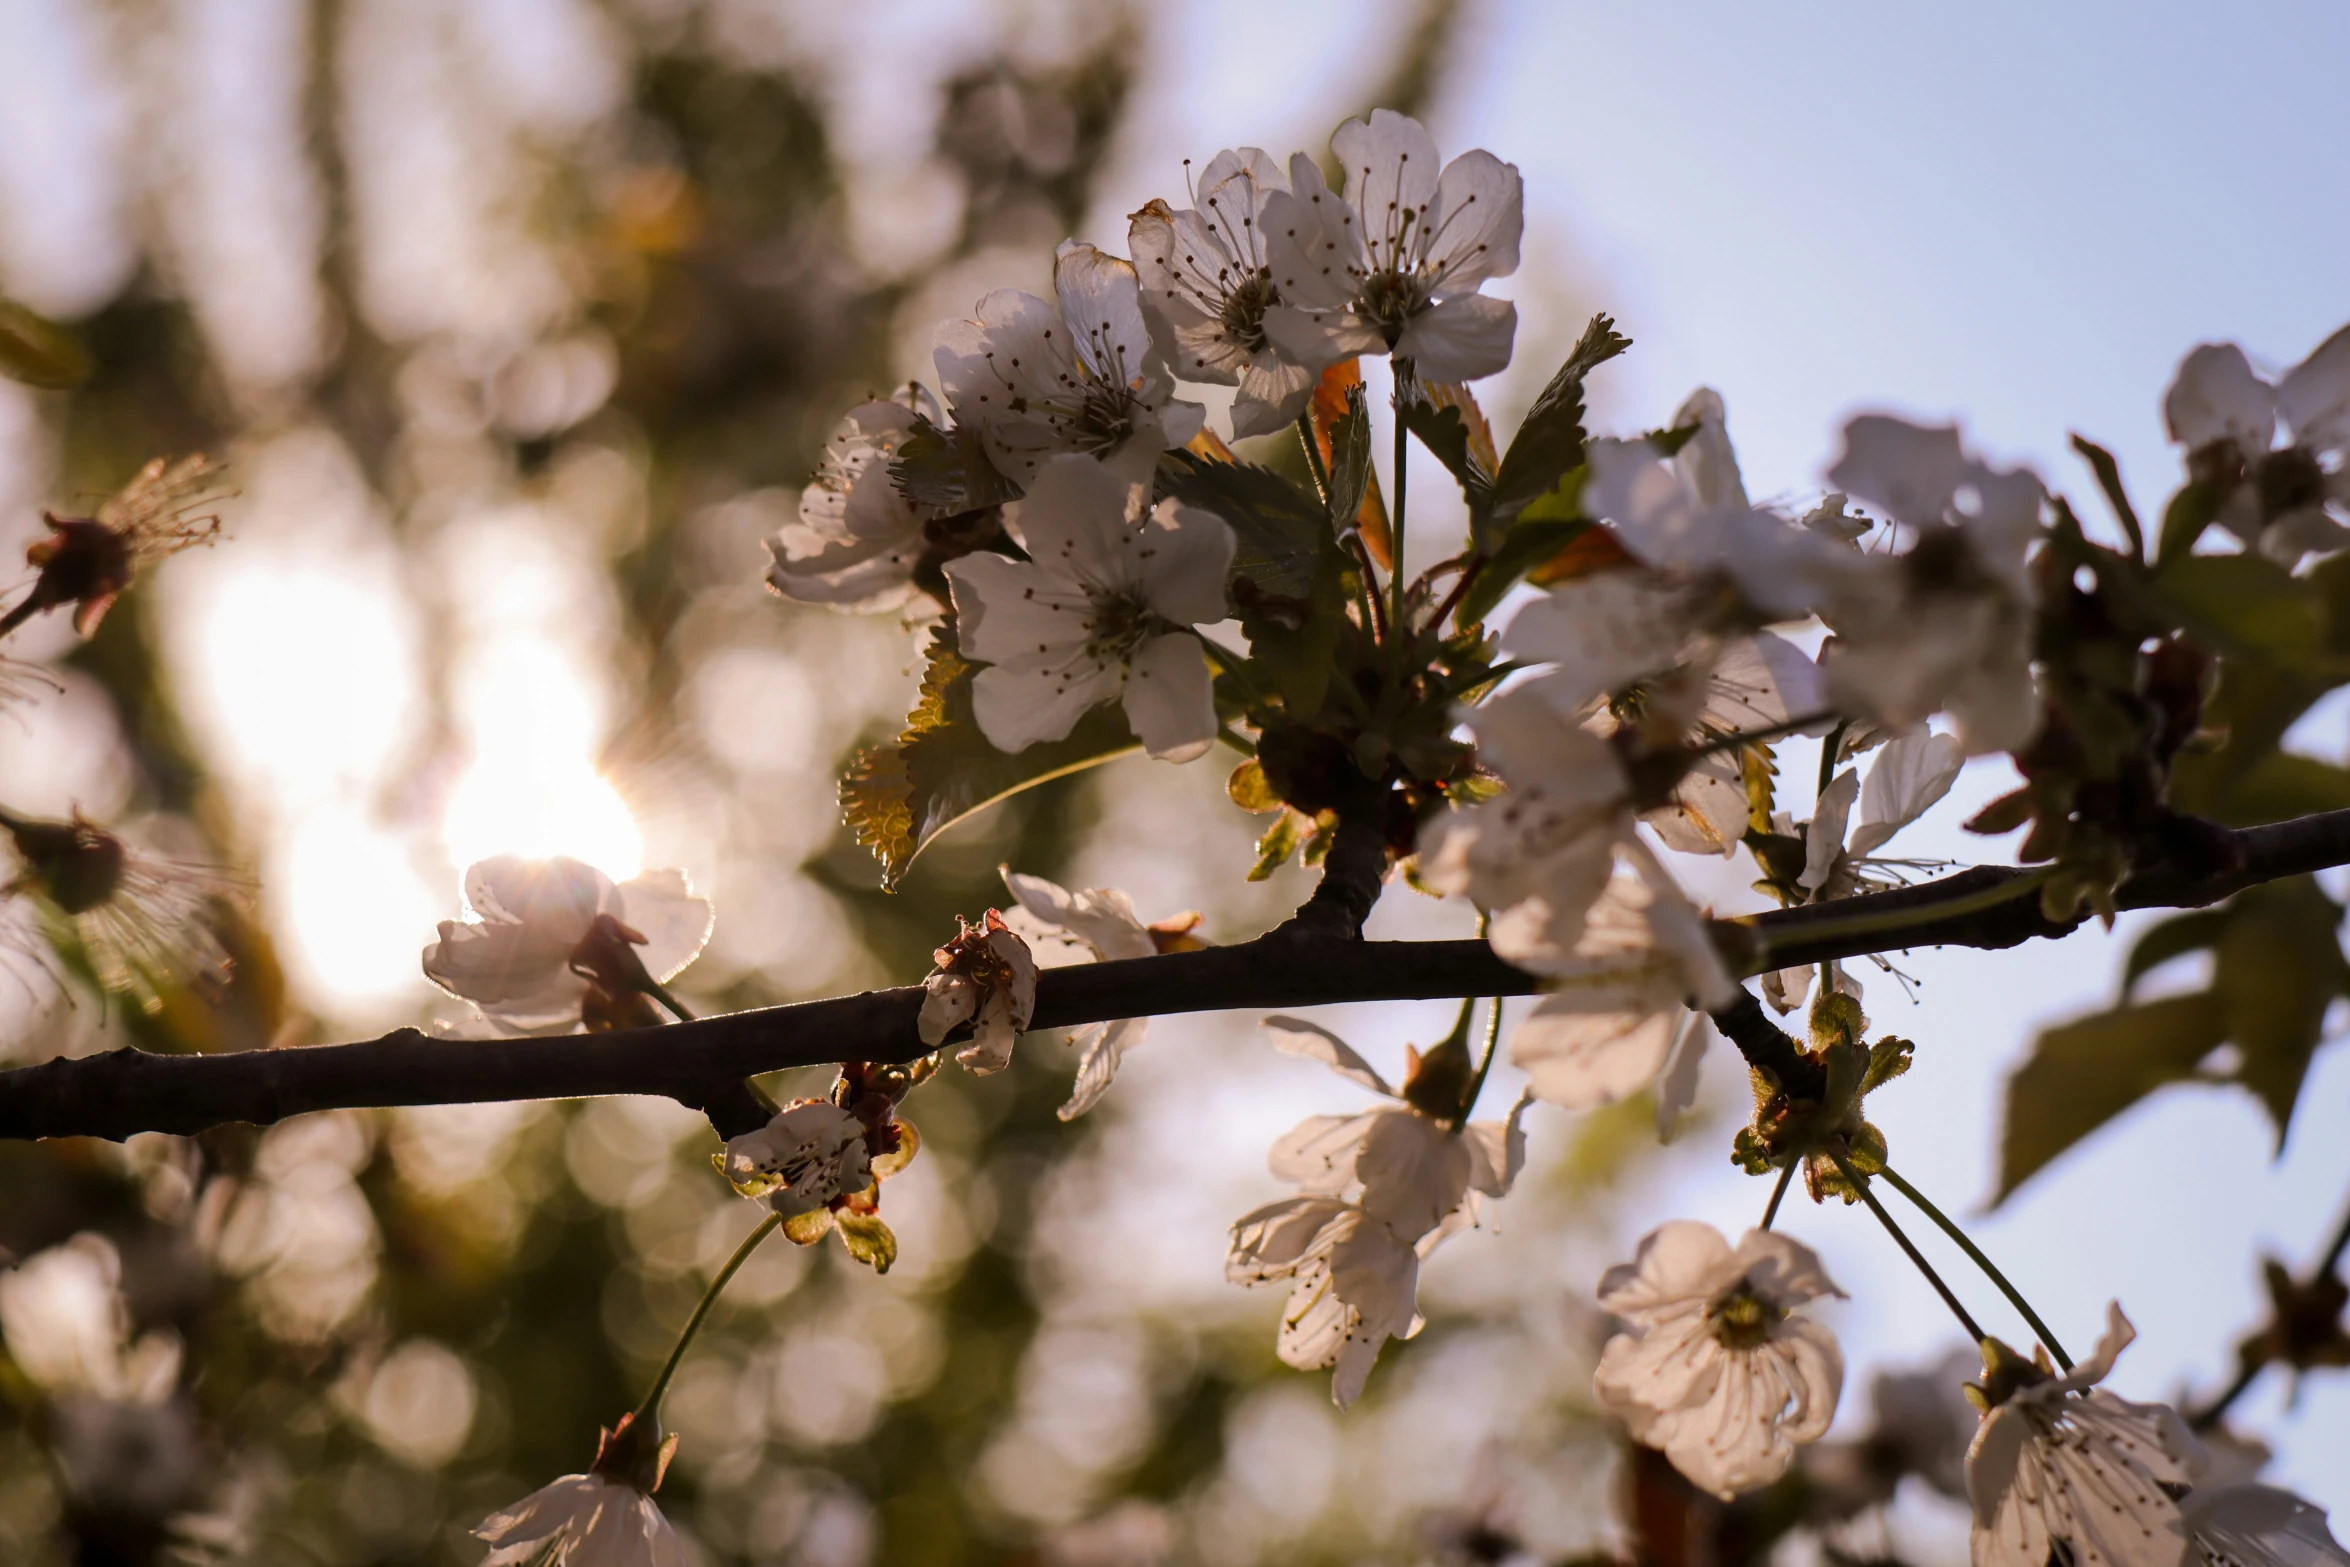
pixel 1533 541
pixel 1549 444
pixel 1278 528
pixel 948 470
pixel 2278 970
pixel 2281 785
pixel 2192 510
pixel 1447 422
pixel 869 1240
pixel 1350 461
pixel 1279 842
pixel 2172 938
pixel 941 768
pixel 2246 605
pixel 1295 642
pixel 2087 1072
pixel 40 353
pixel 2109 479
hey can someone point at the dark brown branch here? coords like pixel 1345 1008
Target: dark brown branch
pixel 702 1063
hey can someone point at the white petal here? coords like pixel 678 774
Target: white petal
pixel 1910 470
pixel 2314 396
pixel 1707 461
pixel 661 907
pixel 1413 1172
pixel 558 898
pixel 1097 1067
pixel 1101 300
pixel 1677 1260
pixel 1910 775
pixel 1074 522
pixel 1823 839
pixel 1318 1154
pixel 1273 392
pixel 1390 164
pixel 1581 1059
pixel 1272 1242
pixel 1676 1085
pixel 1464 338
pixel 1497 1149
pixel 1170 698
pixel 507 966
pixel 1181 559
pixel 1480 216
pixel 948 1002
pixel 1603 632
pixel 2216 396
pixel 1017 709
pixel 1007 609
pixel 1294 1036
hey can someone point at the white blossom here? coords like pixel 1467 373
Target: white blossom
pixel 1617 989
pixel 2217 401
pixel 1757 683
pixel 582 1521
pixel 2064 1461
pixel 857 540
pixel 2256 1526
pixel 1714 1368
pixel 1206 282
pixel 987 978
pixel 1409 1170
pixel 1099 925
pixel 69 1330
pixel 516 961
pixel 1101 610
pixel 1948 625
pixel 809 1154
pixel 1356 1284
pixel 1080 375
pixel 1397 265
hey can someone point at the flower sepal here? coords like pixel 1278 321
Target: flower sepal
pixel 2007 1372
pixel 636 1454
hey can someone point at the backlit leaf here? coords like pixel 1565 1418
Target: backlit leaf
pixel 2087 1072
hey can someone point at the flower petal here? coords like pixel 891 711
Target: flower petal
pixel 1294 1036
pixel 1181 560
pixel 1464 338
pixel 1170 700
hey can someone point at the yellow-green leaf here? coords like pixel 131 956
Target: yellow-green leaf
pixel 2086 1072
pixel 869 1240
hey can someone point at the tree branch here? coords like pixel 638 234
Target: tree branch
pixel 703 1063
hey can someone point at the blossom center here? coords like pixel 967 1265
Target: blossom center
pixel 1741 1319
pixel 1243 312
pixel 1117 627
pixel 1105 417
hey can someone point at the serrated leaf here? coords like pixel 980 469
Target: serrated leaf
pixel 898 798
pixel 869 1240
pixel 1351 474
pixel 2085 1073
pixel 1277 528
pixel 948 470
pixel 1446 419
pixel 2172 938
pixel 2278 969
pixel 2109 479
pixel 1334 395
pixel 1551 441
pixel 38 352
pixel 1279 842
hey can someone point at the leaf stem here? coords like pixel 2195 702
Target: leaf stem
pixel 650 1409
pixel 1859 1183
pixel 660 992
pixel 1828 749
pixel 1404 375
pixel 2015 1297
pixel 1778 1192
pixel 1485 1061
pixel 1312 442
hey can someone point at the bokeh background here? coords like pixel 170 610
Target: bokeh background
pixel 520 323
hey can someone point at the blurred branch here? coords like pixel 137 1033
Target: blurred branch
pixel 702 1063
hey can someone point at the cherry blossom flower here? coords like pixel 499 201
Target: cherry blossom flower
pixel 1039 380
pixel 556 945
pixel 2226 417
pixel 2256 1526
pixel 1206 283
pixel 588 1520
pixel 1551 835
pixel 1408 1169
pixel 1102 609
pixel 1096 925
pixel 89 562
pixel 1356 1284
pixel 2060 1460
pixel 142 921
pixel 1396 267
pixel 858 540
pixel 1946 626
pixel 811 1152
pixel 985 977
pixel 1714 1367
pixel 1619 987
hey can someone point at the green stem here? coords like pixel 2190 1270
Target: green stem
pixel 1866 924
pixel 1859 1183
pixel 1828 749
pixel 1397 627
pixel 1779 1192
pixel 650 1409
pixel 1485 1062
pixel 2015 1297
pixel 1313 445
pixel 1237 742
